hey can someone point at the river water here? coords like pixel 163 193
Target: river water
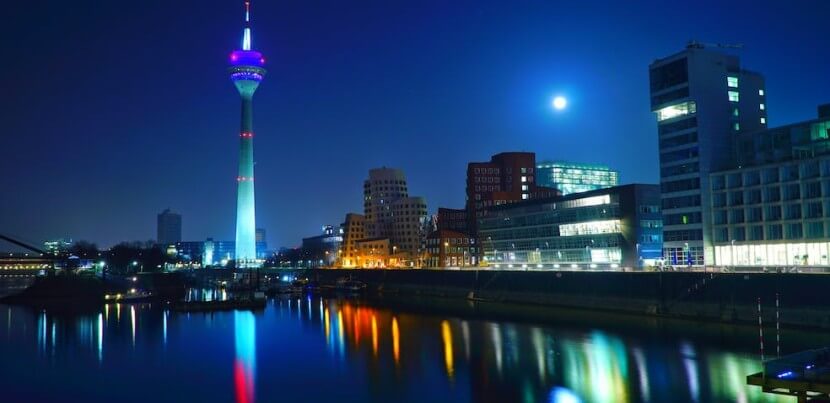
pixel 312 349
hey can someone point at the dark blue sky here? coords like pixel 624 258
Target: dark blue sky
pixel 113 111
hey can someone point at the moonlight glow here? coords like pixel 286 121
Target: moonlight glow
pixel 559 103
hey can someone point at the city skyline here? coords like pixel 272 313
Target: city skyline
pixel 157 151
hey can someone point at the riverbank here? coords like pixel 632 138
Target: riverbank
pixel 719 297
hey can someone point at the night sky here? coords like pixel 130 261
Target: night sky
pixel 112 111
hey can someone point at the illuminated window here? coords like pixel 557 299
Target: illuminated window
pixel 589 228
pixel 762 106
pixel 524 188
pixel 673 111
pixel 733 96
pixel 524 179
pixel 732 82
pixel 761 92
pixel 763 121
pixel 737 126
pixel 734 111
pixel 525 196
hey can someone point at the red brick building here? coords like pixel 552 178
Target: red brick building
pixel 447 248
pixel 453 219
pixel 508 177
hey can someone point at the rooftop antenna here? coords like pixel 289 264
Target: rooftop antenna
pixel 693 44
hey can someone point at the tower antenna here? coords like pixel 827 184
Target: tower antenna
pixel 246 34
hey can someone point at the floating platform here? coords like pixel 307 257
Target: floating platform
pixel 804 375
pixel 226 305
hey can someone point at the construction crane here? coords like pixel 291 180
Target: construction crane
pixel 693 44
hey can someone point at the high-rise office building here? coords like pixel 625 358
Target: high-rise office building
pixel 702 100
pixel 168 227
pixel 246 73
pixel 569 177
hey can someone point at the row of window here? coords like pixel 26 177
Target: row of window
pixel 771 232
pixel 681 202
pixel 806 170
pixel 679 140
pixel 682 219
pixel 681 169
pixel 487 179
pixel 678 155
pixel 680 185
pixel 683 235
pixel 772 194
pixel 490 170
pixel 794 211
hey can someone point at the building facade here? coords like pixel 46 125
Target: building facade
pixel 775 209
pixel 374 253
pixel 353 229
pixel 618 227
pixel 322 249
pixel 168 227
pixel 452 220
pixel 261 244
pixel 447 248
pixel 391 213
pixel 702 100
pixel 383 187
pixel 569 177
pixel 508 177
pixel 209 252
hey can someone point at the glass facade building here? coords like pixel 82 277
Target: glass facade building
pixel 775 209
pixel 702 100
pixel 618 227
pixel 571 177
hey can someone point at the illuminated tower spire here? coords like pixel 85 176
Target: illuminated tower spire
pixel 246 73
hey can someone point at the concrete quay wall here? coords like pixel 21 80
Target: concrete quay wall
pixel 804 299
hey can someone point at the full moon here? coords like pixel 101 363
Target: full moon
pixel 560 103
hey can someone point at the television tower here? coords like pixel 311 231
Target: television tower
pixel 246 73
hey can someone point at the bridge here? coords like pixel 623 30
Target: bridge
pixel 34 260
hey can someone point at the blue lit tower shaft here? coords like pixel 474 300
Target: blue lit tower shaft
pixel 246 73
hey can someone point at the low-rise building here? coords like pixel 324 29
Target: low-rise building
pixel 774 210
pixel 374 253
pixel 448 248
pixel 322 249
pixel 618 227
pixel 353 229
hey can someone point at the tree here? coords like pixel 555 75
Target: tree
pixel 84 249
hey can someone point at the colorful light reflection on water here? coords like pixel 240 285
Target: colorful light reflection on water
pixel 312 349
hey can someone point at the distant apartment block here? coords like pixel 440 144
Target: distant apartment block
pixel 168 227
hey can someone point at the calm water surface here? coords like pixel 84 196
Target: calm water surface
pixel 316 350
